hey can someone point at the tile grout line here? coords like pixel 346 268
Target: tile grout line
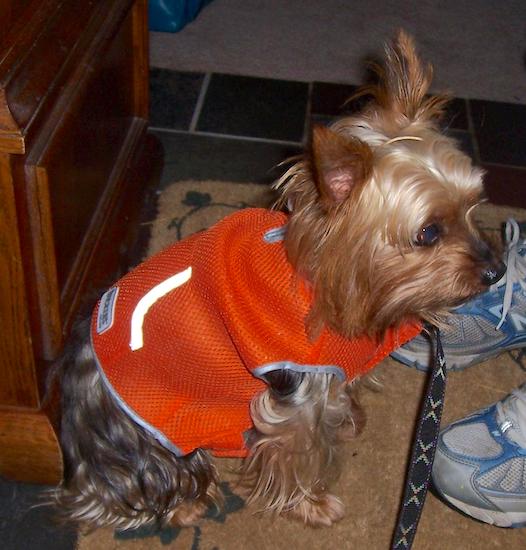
pixel 200 101
pixel 225 136
pixel 500 165
pixel 472 133
pixel 203 94
pixel 308 109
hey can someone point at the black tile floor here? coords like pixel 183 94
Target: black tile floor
pixel 236 128
pixel 27 525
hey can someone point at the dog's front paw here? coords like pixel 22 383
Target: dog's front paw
pixel 322 512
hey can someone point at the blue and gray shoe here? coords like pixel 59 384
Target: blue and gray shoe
pixel 480 463
pixel 487 325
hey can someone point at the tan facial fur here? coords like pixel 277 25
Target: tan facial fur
pixel 364 194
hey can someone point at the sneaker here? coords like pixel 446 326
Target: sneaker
pixel 480 463
pixel 487 325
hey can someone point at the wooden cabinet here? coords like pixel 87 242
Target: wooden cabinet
pixel 75 160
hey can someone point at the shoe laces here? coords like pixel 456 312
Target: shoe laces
pixel 515 267
pixel 511 416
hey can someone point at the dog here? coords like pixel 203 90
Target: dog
pixel 246 339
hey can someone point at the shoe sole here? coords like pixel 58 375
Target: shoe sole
pixel 510 520
pixel 415 361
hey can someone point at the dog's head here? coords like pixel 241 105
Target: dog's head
pixel 382 209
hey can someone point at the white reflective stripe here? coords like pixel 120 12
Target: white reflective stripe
pixel 147 301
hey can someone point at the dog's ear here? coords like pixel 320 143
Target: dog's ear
pixel 340 164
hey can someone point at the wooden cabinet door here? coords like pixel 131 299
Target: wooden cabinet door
pixel 73 121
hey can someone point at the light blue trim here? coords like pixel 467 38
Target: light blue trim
pixel 275 235
pixel 260 372
pixel 157 434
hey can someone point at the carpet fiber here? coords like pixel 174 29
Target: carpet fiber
pixel 477 47
pixel 372 483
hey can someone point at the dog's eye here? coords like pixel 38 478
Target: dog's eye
pixel 428 235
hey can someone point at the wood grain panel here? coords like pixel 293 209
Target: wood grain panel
pixel 75 162
pixel 141 65
pixel 10 12
pixel 29 449
pixel 15 53
pixel 97 130
pixel 17 370
pixel 55 40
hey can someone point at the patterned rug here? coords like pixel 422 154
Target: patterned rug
pixel 372 483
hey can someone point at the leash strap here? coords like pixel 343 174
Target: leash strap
pixel 423 452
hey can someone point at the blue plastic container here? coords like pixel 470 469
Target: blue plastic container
pixel 173 15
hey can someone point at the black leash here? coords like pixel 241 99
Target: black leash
pixel 423 452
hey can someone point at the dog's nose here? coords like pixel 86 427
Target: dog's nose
pixel 493 273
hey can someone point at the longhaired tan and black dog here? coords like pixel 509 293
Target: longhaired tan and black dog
pixel 243 340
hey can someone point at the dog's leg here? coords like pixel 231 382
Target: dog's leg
pixel 301 421
pixel 117 473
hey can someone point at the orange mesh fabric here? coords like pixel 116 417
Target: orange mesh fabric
pixel 239 312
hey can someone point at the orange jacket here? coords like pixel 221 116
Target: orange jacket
pixel 182 339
